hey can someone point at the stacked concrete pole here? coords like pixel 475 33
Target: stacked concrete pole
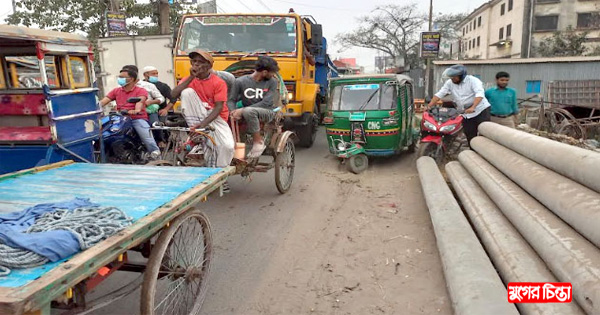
pixel 472 282
pixel 534 204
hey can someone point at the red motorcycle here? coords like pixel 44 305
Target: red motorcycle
pixel 439 128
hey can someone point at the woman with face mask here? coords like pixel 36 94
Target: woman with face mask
pixel 127 81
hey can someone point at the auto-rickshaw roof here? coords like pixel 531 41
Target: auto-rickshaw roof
pixel 38 35
pixel 401 78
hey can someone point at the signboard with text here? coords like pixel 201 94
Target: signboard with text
pixel 430 44
pixel 115 24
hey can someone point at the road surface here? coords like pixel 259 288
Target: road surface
pixel 337 243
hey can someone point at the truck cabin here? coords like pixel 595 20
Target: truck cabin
pixel 35 64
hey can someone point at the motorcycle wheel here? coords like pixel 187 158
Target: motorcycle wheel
pixel 430 149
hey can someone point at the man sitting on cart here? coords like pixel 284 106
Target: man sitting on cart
pixel 258 92
pixel 128 82
pixel 203 104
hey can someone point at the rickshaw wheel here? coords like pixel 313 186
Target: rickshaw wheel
pixel 175 280
pixel 285 162
pixel 160 163
pixel 358 163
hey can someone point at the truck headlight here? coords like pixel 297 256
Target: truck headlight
pixel 290 96
pixel 429 126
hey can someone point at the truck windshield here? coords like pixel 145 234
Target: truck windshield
pixel 363 97
pixel 246 34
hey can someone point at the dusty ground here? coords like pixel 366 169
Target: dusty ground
pixel 338 243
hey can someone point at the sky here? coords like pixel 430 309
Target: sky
pixel 336 16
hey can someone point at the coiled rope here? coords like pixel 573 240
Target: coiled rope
pixel 89 225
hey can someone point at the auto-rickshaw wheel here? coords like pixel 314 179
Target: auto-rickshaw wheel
pixel 285 162
pixel 175 279
pixel 357 163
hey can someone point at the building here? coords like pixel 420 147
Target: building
pixel 530 77
pixel 347 66
pixel 511 28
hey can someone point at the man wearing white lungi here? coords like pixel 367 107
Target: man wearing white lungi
pixel 203 103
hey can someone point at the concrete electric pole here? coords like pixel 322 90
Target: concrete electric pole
pixel 163 21
pixel 428 66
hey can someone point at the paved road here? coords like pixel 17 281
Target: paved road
pixel 337 243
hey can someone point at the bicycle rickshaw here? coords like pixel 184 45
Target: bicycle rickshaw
pixel 184 148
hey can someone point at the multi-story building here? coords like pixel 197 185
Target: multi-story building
pixel 512 28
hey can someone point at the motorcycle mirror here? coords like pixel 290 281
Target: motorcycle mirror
pixel 133 100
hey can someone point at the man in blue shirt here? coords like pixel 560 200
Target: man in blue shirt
pixel 503 100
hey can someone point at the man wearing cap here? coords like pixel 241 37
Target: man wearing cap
pixel 203 104
pixel 151 75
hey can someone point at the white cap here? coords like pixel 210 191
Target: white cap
pixel 149 68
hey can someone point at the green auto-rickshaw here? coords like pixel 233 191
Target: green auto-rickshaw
pixel 370 115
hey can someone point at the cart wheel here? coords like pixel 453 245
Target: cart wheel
pixel 175 280
pixel 160 163
pixel 358 163
pixel 285 163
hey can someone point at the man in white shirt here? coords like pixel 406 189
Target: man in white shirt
pixel 468 95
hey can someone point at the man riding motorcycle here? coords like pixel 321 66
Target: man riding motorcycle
pixel 468 95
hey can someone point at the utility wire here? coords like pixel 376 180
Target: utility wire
pixel 264 5
pixel 316 6
pixel 247 7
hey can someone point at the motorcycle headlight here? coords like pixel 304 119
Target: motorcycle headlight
pixel 429 126
pixel 341 146
pixel 114 129
pixel 448 128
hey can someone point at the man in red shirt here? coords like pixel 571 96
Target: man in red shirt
pixel 127 80
pixel 203 103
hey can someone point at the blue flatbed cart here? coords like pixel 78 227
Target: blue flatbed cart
pixel 168 230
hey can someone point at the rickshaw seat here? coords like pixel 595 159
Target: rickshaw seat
pixel 23 105
pixel 25 134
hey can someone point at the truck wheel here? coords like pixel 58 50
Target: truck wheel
pixel 307 134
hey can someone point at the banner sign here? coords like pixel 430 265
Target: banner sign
pixel 115 23
pixel 430 44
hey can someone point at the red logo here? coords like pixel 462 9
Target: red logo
pixel 540 292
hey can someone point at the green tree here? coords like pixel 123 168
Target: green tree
pixel 562 44
pixel 88 16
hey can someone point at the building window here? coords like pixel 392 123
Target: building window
pixel 502 9
pixel 588 20
pixel 474 24
pixel 546 23
pixel 508 30
pixel 479 21
pixel 464 31
pixel 534 87
pixel 478 41
pixel 510 5
pixel 501 33
pixel 473 43
pixel 469 45
pixel 547 1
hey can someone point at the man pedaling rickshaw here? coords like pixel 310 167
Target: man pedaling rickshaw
pixel 258 92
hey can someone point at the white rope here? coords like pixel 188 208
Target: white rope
pixel 89 225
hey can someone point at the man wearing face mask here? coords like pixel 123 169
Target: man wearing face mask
pixel 203 104
pixel 128 82
pixel 258 92
pixel 151 75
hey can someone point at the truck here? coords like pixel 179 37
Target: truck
pixel 235 40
